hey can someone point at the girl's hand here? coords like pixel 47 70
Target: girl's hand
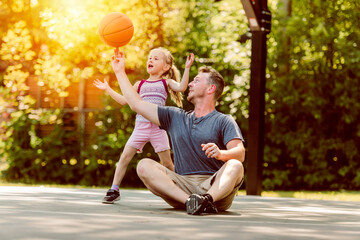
pixel 118 61
pixel 101 85
pixel 189 61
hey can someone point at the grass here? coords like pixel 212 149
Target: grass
pixel 314 195
pixel 14 184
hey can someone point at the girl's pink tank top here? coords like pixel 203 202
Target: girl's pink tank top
pixel 152 91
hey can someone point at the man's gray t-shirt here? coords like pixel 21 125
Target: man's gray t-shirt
pixel 187 133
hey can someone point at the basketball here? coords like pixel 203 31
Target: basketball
pixel 116 29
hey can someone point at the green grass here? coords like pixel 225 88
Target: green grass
pixel 43 185
pixel 14 184
pixel 314 195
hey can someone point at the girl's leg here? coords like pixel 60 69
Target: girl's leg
pixel 126 156
pixel 113 194
pixel 165 159
pixel 160 142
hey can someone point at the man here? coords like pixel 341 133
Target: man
pixel 207 145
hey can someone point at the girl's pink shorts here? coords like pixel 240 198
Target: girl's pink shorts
pixel 149 132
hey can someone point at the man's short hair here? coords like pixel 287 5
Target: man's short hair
pixel 214 78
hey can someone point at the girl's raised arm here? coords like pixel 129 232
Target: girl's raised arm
pixel 181 87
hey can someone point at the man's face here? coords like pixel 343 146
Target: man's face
pixel 198 87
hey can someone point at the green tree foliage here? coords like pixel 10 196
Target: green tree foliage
pixel 312 121
pixel 56 43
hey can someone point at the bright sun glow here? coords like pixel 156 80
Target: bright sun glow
pixel 34 3
pixel 73 3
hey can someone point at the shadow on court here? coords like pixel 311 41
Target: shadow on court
pixel 61 213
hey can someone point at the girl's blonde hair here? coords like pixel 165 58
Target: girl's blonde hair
pixel 172 73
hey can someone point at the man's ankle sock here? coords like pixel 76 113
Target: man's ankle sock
pixel 115 187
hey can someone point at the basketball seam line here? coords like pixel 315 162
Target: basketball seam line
pixel 117 32
pixel 118 18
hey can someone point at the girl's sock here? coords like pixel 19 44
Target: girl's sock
pixel 115 187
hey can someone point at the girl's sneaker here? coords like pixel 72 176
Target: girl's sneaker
pixel 111 196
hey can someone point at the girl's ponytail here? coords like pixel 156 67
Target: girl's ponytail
pixel 177 97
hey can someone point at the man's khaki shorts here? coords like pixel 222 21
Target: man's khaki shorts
pixel 199 184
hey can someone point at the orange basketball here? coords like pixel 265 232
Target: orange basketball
pixel 116 29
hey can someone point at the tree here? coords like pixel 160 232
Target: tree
pixel 313 106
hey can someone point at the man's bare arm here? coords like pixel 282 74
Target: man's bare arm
pixel 234 150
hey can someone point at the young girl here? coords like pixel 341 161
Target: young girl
pixel 163 79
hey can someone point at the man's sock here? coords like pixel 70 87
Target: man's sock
pixel 115 187
pixel 208 197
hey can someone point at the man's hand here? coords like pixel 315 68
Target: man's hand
pixel 211 150
pixel 234 150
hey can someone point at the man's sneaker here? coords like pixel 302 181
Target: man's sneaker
pixel 111 196
pixel 197 204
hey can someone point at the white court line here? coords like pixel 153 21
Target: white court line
pixel 190 218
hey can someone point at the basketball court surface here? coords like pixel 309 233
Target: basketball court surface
pixel 30 213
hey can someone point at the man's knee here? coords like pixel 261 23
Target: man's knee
pixel 144 166
pixel 236 167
